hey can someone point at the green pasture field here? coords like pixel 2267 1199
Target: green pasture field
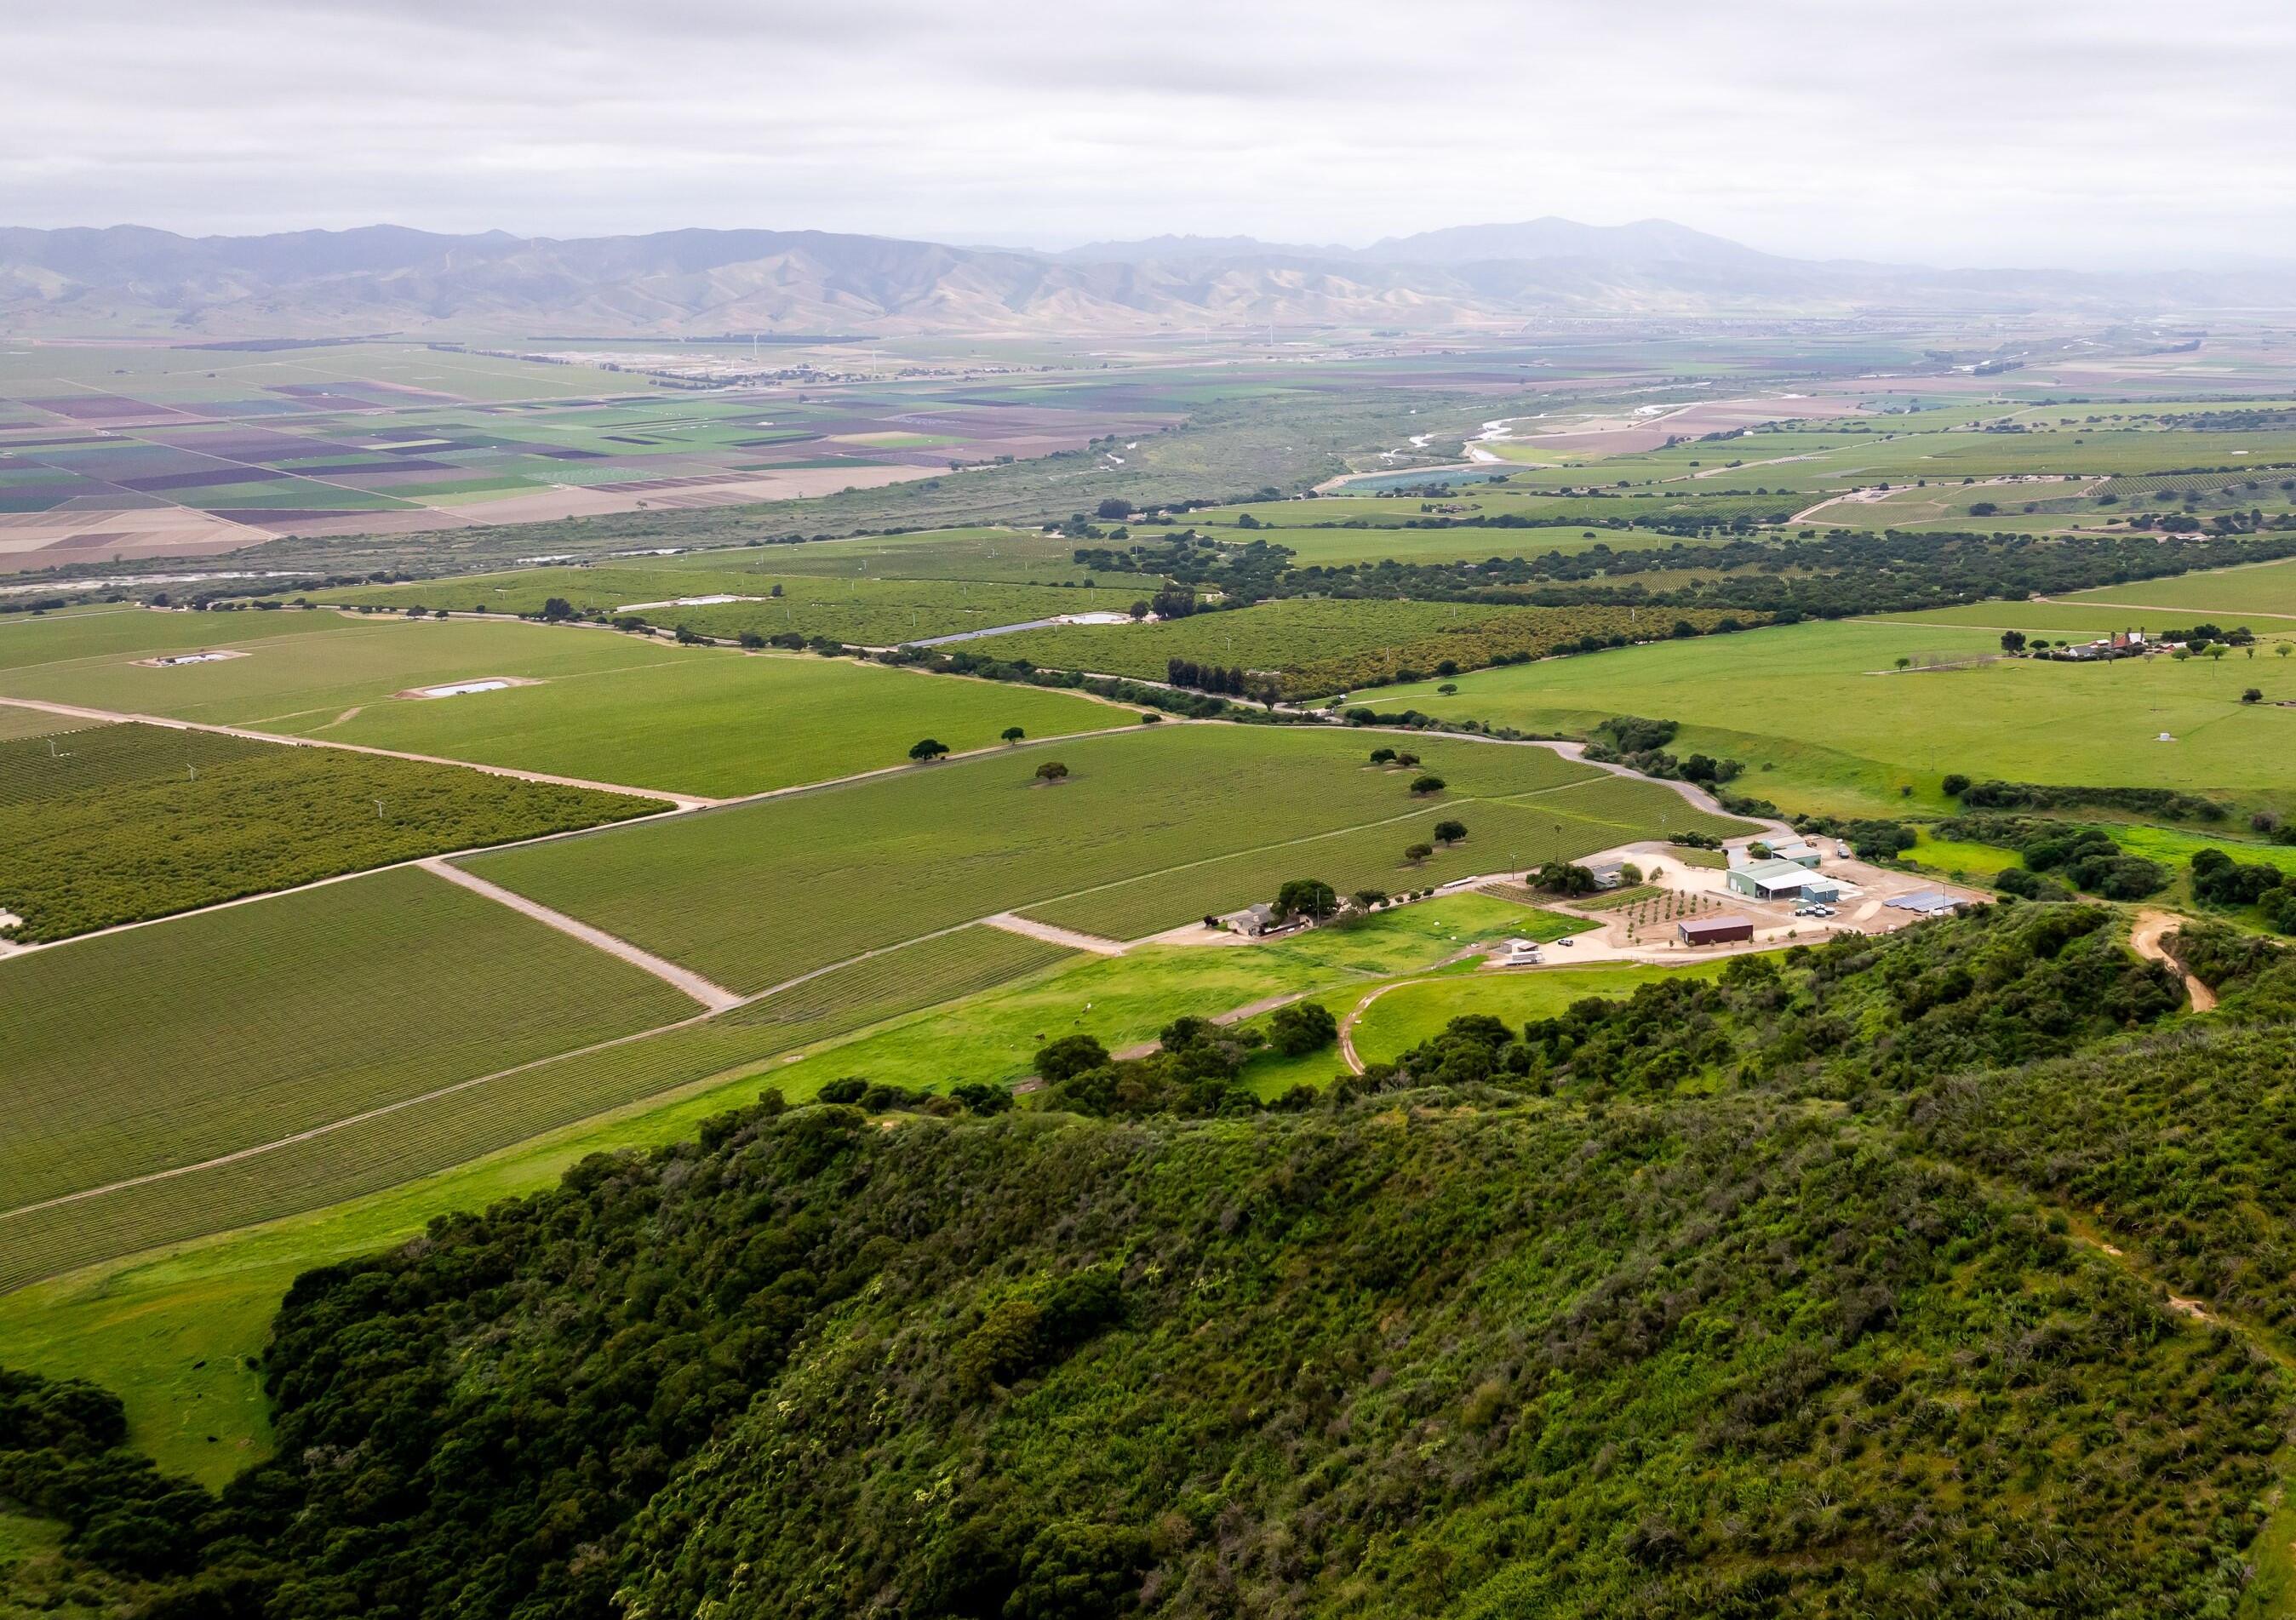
pixel 1823 721
pixel 427 1128
pixel 1404 1017
pixel 162 1046
pixel 1322 644
pixel 175 1330
pixel 609 708
pixel 119 823
pixel 2062 618
pixel 756 894
pixel 2229 596
pixel 1959 858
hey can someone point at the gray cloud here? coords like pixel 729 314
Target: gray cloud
pixel 2109 132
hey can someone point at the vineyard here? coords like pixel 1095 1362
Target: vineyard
pixel 162 1046
pixel 1323 644
pixel 119 823
pixel 2172 484
pixel 757 893
pixel 439 1132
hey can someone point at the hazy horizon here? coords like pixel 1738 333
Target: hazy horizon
pixel 1881 133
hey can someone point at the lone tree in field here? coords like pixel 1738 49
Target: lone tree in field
pixel 1450 832
pixel 1300 1028
pixel 2252 695
pixel 2284 650
pixel 1380 756
pixel 928 751
pixel 1421 786
pixel 1014 733
pixel 2013 641
pixel 1070 1056
pixel 1416 853
pixel 1051 770
pixel 1308 897
pixel 556 608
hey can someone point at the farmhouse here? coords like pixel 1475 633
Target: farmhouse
pixel 1714 930
pixel 1251 921
pixel 1608 874
pixel 1776 880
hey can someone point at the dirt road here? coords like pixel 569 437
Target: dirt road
pixel 716 997
pixel 683 801
pixel 2145 940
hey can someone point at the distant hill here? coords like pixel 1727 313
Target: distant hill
pixel 130 281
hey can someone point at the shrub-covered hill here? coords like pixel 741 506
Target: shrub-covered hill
pixel 1594 1330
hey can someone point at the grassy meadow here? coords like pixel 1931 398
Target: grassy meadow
pixel 1824 720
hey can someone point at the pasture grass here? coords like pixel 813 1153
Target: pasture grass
pixel 1824 722
pixel 1403 1017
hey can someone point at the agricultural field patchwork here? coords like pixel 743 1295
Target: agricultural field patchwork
pixel 119 823
pixel 122 455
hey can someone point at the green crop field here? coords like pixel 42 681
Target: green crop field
pixel 754 894
pixel 496 989
pixel 1823 719
pixel 34 646
pixel 2262 591
pixel 163 1046
pixel 864 611
pixel 1322 645
pixel 721 724
pixel 607 707
pixel 117 824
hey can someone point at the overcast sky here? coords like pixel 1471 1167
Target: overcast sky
pixel 1994 132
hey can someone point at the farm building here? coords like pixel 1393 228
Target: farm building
pixel 1608 874
pixel 1714 930
pixel 1772 880
pixel 1800 851
pixel 1251 921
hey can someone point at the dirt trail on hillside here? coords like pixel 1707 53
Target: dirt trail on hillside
pixel 2145 939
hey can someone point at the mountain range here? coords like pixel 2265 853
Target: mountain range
pixel 131 281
